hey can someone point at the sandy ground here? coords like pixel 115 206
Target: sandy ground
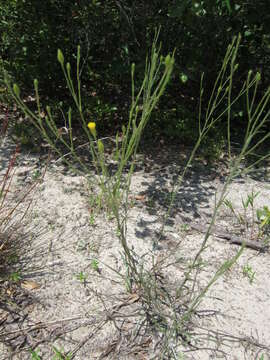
pixel 66 272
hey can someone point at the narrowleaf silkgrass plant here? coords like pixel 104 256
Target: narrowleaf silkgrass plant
pixel 14 204
pixel 114 188
pixel 165 311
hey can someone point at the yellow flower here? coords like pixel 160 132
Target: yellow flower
pixel 92 128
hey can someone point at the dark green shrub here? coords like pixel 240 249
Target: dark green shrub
pixel 113 34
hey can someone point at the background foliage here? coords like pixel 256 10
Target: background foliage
pixel 115 33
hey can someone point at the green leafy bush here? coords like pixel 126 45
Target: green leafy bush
pixel 113 34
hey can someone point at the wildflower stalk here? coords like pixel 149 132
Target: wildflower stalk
pixel 256 120
pixel 116 187
pixel 213 114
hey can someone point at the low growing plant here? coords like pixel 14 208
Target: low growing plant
pixel 263 216
pixel 249 273
pixel 14 204
pixel 251 220
pixel 11 217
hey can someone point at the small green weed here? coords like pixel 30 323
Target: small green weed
pixel 184 227
pixel 92 219
pixel 51 226
pixel 60 355
pixel 15 276
pixel 95 205
pixel 95 265
pixel 36 175
pixel 150 202
pixel 263 215
pixel 95 202
pixel 34 355
pixel 257 221
pixel 81 277
pixel 249 273
pixel 242 218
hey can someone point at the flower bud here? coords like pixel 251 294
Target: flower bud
pixel 92 128
pixel 168 60
pixel 183 78
pixel 16 90
pixel 36 84
pixel 100 147
pixel 60 57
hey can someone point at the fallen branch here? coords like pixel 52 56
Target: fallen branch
pixel 255 245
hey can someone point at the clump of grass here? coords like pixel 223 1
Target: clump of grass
pixel 252 222
pixel 6 217
pixel 249 273
pixel 14 205
pixel 165 310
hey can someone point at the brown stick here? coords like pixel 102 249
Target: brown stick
pixel 255 245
